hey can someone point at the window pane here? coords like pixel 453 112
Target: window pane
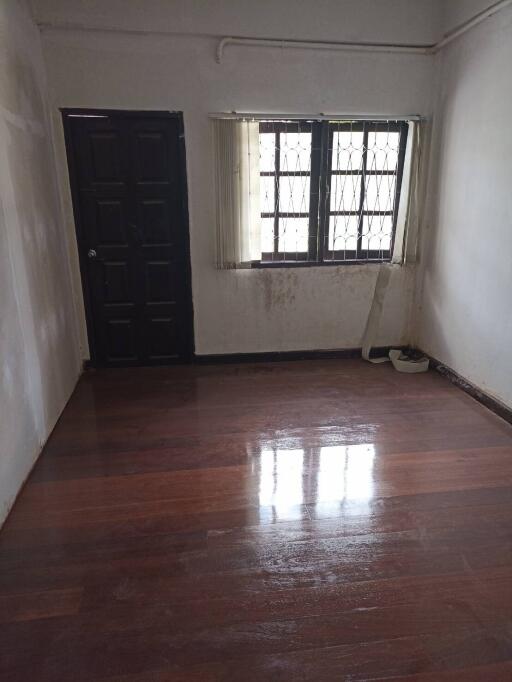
pixel 376 233
pixel 347 150
pixel 267 235
pixel 295 151
pixel 284 152
pixel 294 194
pixel 380 193
pixel 267 151
pixel 345 192
pixel 343 232
pixel 267 188
pixel 293 235
pixel 382 151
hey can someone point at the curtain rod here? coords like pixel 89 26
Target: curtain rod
pixel 314 117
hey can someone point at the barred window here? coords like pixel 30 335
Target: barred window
pixel 330 190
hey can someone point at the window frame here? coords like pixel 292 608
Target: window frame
pixel 321 174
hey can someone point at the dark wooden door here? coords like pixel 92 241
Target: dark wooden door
pixel 129 191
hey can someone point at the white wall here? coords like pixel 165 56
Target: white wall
pixel 259 310
pixel 403 21
pixel 39 360
pixel 465 318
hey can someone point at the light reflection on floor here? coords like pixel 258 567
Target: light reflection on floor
pixel 330 474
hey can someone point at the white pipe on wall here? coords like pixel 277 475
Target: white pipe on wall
pixel 471 23
pixel 366 47
pixel 310 45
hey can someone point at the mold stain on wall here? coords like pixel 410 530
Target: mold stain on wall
pixel 279 288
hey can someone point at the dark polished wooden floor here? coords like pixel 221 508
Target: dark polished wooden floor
pixel 320 520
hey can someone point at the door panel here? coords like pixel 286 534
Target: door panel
pixel 151 155
pixel 119 339
pixel 161 335
pixel 110 222
pixel 129 186
pixel 154 221
pixel 105 151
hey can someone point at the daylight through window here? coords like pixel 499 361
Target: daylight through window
pixel 329 191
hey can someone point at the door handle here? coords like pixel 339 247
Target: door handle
pixel 93 255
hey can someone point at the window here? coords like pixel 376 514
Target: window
pixel 285 189
pixel 329 191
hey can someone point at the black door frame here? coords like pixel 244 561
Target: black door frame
pixel 67 114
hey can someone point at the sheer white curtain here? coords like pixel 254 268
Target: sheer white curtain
pixel 407 228
pixel 237 180
pixel 409 209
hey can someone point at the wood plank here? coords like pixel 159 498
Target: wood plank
pixel 315 520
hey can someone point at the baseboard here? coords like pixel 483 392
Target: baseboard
pixel 351 353
pixel 485 399
pixel 279 356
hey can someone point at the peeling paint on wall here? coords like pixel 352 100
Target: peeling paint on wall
pixel 39 358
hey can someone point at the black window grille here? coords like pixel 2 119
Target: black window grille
pixel 330 190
